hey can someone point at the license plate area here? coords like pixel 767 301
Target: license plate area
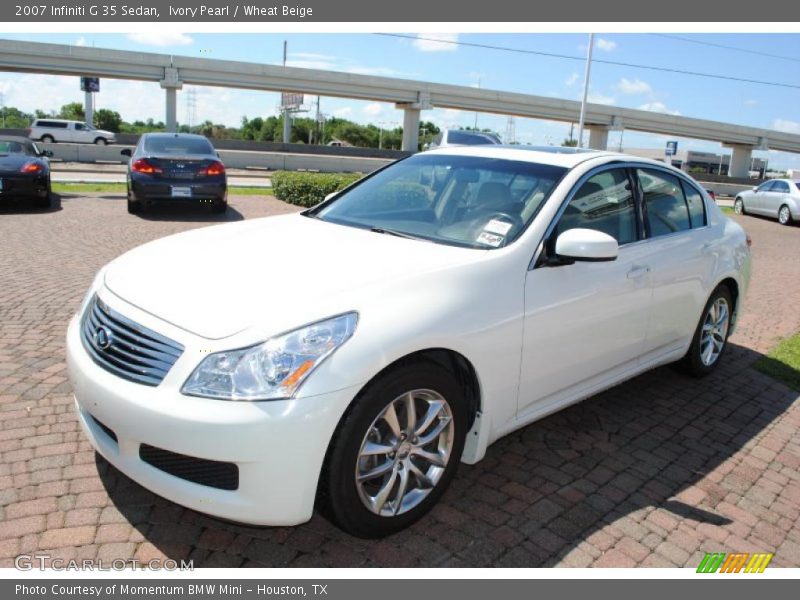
pixel 181 192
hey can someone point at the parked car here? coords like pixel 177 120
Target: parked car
pixel 169 167
pixel 776 198
pixel 352 354
pixel 61 130
pixel 461 137
pixel 24 171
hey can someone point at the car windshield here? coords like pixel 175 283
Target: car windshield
pixel 14 147
pixel 465 201
pixel 177 145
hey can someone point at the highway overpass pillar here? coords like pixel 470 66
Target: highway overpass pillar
pixel 411 129
pixel 171 84
pixel 88 108
pixel 740 161
pixel 411 111
pixel 598 138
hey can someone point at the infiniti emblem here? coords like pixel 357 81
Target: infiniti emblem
pixel 102 338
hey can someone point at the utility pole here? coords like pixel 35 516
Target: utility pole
pixel 476 112
pixel 287 113
pixel 316 127
pixel 585 89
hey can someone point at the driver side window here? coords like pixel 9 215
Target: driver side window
pixel 604 203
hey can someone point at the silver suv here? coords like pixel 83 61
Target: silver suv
pixel 61 130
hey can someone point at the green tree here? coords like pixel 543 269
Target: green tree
pixel 570 143
pixel 109 120
pixel 72 111
pixel 13 118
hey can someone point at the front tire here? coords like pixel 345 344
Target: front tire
pixel 101 141
pixel 395 450
pixel 784 215
pixel 738 207
pixel 711 336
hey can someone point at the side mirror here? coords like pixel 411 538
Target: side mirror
pixel 47 153
pixel 126 152
pixel 586 245
pixel 755 188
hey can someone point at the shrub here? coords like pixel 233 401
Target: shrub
pixel 308 189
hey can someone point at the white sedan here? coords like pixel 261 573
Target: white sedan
pixel 351 355
pixel 776 198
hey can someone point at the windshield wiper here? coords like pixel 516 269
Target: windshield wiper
pixel 395 233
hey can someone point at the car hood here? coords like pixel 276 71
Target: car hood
pixel 272 274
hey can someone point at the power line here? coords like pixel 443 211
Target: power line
pixel 726 47
pixel 596 60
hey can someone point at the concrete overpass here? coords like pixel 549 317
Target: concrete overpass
pixel 172 72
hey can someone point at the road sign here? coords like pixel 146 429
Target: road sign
pixel 291 100
pixel 671 149
pixel 90 84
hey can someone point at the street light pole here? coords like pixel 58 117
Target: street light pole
pixel 585 90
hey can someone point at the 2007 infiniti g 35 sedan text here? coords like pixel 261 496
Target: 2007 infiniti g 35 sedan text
pixel 351 355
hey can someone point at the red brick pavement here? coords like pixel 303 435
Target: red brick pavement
pixel 654 472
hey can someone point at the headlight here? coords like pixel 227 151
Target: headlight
pixel 272 370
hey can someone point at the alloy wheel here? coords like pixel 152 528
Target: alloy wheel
pixel 784 215
pixel 715 331
pixel 405 452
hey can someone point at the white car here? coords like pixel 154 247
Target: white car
pixel 354 353
pixel 77 132
pixel 776 198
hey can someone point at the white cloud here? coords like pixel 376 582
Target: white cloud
pixel 751 102
pixel 572 79
pixel 786 125
pixel 436 42
pixel 161 38
pixel 373 109
pixel 605 45
pixel 659 107
pixel 343 112
pixel 81 41
pixel 633 86
pixel 599 98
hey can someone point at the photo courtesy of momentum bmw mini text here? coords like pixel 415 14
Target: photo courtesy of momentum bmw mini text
pixel 449 299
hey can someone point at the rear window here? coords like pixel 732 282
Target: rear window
pixel 14 147
pixel 55 124
pixel 469 139
pixel 177 145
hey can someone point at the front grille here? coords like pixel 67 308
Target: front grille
pixel 125 348
pixel 212 473
pixel 106 429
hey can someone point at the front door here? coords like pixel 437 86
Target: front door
pixel 585 322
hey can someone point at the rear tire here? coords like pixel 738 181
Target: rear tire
pixel 711 336
pixel 784 215
pixel 134 207
pixel 376 506
pixel 48 139
pixel 219 207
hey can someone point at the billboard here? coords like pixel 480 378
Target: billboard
pixel 291 100
pixel 90 84
pixel 671 149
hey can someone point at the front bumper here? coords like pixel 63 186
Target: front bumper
pixel 279 446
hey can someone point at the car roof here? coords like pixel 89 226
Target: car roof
pixel 15 138
pixel 550 155
pixel 164 134
pixel 56 120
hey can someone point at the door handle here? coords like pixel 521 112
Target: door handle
pixel 637 272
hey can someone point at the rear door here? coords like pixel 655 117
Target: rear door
pixel 775 198
pixel 681 256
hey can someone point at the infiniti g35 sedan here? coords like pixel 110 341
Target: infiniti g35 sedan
pixel 170 167
pixel 350 356
pixel 776 198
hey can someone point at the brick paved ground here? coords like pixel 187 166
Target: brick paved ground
pixel 653 473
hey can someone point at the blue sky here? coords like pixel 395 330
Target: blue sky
pixel 731 101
